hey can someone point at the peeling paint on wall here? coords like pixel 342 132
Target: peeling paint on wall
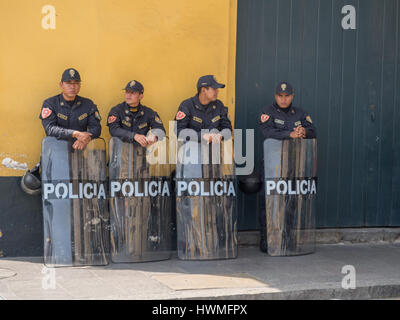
pixel 11 164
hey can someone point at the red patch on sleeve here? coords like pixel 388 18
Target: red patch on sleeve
pixel 264 118
pixel 46 112
pixel 112 119
pixel 180 115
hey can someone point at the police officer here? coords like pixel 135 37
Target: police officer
pixel 204 110
pixel 69 116
pixel 282 120
pixel 131 121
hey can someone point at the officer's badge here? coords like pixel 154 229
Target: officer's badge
pixel 83 116
pixel 214 107
pixel 46 112
pixel 198 119
pixel 79 103
pixel 264 118
pixel 112 119
pixel 283 86
pixel 62 104
pixel 216 119
pixel 127 118
pixel 158 120
pixel 126 111
pixel 308 118
pixel 143 125
pixel 72 73
pixel 142 113
pixel 62 116
pixel 180 115
pixel 128 124
pixel 132 83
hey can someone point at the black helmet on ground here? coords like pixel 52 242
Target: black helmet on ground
pixel 251 183
pixel 30 181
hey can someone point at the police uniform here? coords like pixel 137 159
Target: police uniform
pixel 60 119
pixel 278 123
pixel 125 121
pixel 193 115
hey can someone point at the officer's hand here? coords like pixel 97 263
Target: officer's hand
pixel 79 145
pixel 216 138
pixel 207 137
pixel 295 134
pixel 301 131
pixel 84 137
pixel 151 139
pixel 141 139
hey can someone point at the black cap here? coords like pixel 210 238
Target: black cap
pixel 134 86
pixel 70 74
pixel 209 81
pixel 284 87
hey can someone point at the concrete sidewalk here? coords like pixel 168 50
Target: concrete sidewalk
pixel 253 275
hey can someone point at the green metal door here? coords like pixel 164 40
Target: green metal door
pixel 347 79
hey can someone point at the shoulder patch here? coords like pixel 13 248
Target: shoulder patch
pixel 158 120
pixel 264 118
pixel 180 115
pixel 46 112
pixel 112 119
pixel 308 118
pixel 97 115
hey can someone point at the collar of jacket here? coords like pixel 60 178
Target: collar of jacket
pixel 127 107
pixel 64 103
pixel 279 109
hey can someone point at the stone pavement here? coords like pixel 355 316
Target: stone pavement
pixel 253 275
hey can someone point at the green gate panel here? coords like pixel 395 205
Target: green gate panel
pixel 347 80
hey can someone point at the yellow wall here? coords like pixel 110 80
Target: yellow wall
pixel 166 45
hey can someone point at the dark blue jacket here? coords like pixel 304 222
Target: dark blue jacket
pixel 60 120
pixel 277 124
pixel 193 115
pixel 125 124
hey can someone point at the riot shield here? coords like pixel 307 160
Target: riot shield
pixel 290 169
pixel 205 201
pixel 74 196
pixel 140 203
